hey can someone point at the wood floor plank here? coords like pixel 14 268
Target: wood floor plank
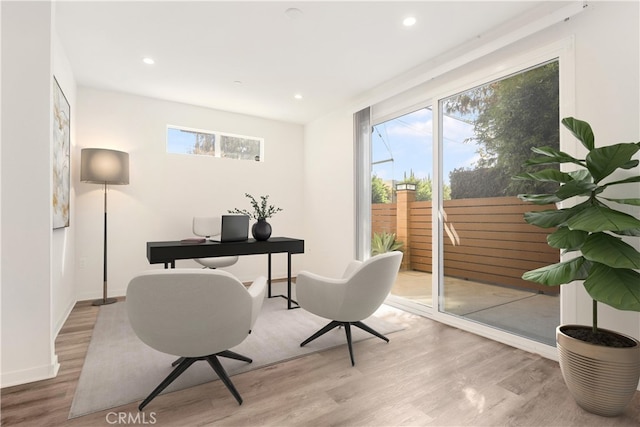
pixel 429 374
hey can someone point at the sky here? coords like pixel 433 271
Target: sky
pixel 408 140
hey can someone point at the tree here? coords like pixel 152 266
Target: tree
pixel 424 187
pixel 380 192
pixel 473 183
pixel 512 116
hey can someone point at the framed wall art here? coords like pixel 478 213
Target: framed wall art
pixel 60 154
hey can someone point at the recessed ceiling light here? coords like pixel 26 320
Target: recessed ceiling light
pixel 238 82
pixel 148 61
pixel 409 21
pixel 297 96
pixel 293 13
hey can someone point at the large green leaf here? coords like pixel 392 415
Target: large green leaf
pixel 575 188
pixel 581 175
pixel 634 232
pixel 551 156
pixel 630 164
pixel 539 199
pixel 581 130
pixel 617 287
pixel 553 217
pixel 558 274
pixel 611 251
pixel 601 218
pixel 547 175
pixel 603 161
pixel 564 238
pixel 546 219
pixel 634 202
pixel 623 181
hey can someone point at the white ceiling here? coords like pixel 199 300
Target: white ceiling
pixel 252 57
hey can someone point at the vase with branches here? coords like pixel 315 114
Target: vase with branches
pixel 261 229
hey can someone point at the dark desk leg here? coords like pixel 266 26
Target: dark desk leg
pixel 269 277
pixel 173 264
pixel 289 280
pixel 288 296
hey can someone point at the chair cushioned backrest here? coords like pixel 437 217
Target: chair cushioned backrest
pixel 189 312
pixel 369 285
pixel 207 226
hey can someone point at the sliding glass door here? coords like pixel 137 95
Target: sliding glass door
pixel 401 193
pixel 450 204
pixel 487 134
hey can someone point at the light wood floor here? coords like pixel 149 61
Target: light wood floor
pixel 429 374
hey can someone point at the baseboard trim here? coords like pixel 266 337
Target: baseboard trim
pixel 39 373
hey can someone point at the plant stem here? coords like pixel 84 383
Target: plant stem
pixel 595 316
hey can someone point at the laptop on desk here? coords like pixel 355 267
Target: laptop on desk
pixel 234 228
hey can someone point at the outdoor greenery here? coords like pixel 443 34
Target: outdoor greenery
pixel 424 187
pixel 260 211
pixel 384 242
pixel 236 147
pixel 510 116
pixel 477 183
pixel 592 229
pixel 205 143
pixel 381 192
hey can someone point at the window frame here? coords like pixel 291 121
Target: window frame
pixel 218 152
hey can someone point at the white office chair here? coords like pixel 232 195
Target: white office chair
pixel 209 227
pixel 194 314
pixel 352 298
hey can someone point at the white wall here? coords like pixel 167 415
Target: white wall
pixel 27 321
pixel 329 194
pixel 607 95
pixel 167 190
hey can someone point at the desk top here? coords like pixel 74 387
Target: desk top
pixel 168 251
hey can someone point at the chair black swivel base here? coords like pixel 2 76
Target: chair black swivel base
pixel 347 329
pixel 184 362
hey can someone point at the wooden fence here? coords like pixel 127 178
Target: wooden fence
pixel 485 240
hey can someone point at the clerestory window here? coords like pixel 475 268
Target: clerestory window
pixel 182 140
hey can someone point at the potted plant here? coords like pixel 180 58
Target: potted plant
pixel 600 367
pixel 261 229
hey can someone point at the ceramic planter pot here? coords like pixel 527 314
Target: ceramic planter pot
pixel 601 379
pixel 261 230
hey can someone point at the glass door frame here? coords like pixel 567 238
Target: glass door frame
pixel 563 51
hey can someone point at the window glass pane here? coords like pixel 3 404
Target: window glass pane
pixel 488 132
pixel 401 193
pixel 238 147
pixel 183 141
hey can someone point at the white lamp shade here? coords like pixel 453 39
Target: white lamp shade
pixel 103 166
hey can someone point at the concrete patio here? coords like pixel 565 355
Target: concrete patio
pixel 522 312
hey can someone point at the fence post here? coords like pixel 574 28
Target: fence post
pixel 406 194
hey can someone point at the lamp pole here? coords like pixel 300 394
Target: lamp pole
pixel 104 299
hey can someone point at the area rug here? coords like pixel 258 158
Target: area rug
pixel 120 369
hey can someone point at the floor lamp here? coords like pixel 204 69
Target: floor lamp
pixel 102 166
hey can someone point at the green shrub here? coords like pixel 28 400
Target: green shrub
pixel 384 242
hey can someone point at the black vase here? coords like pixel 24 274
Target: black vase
pixel 261 230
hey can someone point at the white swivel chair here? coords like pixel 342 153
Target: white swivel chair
pixel 209 227
pixel 194 314
pixel 352 298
